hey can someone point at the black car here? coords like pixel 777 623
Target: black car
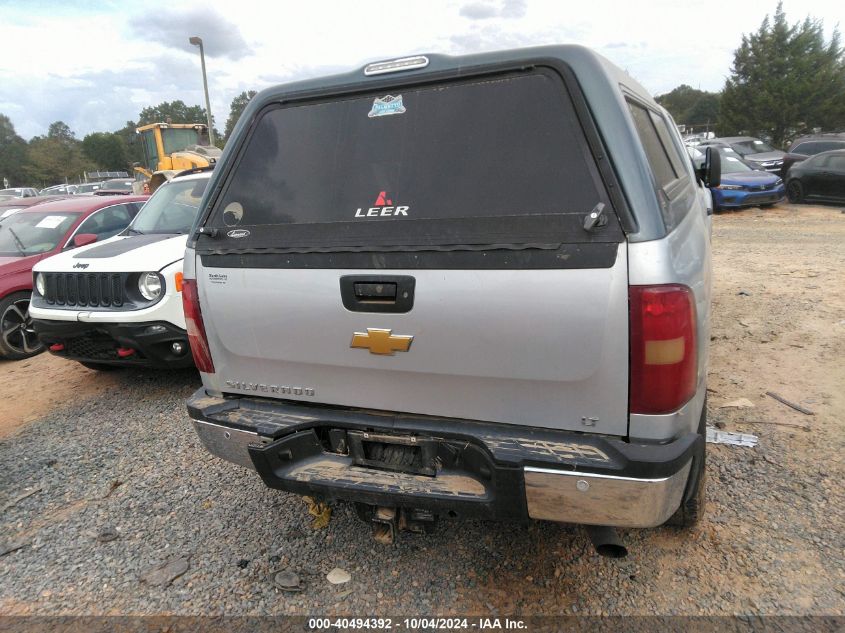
pixel 807 146
pixel 820 177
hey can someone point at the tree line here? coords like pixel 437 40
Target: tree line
pixel 59 156
pixel 786 80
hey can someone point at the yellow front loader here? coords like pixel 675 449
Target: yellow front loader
pixel 173 147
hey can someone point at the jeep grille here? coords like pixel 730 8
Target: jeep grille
pixel 88 290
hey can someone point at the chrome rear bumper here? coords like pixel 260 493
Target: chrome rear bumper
pixel 506 472
pixel 227 443
pixel 593 499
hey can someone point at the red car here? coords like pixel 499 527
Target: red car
pixel 32 234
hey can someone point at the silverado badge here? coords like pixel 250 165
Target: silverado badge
pixel 380 341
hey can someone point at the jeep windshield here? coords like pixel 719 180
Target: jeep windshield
pixel 171 210
pixel 499 162
pixel 24 234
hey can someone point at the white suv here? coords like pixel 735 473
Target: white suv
pixel 118 302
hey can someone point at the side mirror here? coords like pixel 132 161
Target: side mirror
pixel 711 170
pixel 83 239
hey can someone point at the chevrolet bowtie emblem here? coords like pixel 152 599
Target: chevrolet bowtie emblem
pixel 380 341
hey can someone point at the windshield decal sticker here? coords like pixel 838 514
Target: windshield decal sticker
pixel 383 207
pixel 387 105
pixel 50 222
pixel 238 233
pixel 233 214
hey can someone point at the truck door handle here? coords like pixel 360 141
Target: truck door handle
pixel 377 293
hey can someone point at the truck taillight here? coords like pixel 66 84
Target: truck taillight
pixel 664 364
pixel 196 329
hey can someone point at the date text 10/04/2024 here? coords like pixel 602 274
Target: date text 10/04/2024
pixel 445 624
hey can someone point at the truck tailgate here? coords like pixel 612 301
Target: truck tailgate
pixel 544 348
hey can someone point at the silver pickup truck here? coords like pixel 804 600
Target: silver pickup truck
pixel 459 287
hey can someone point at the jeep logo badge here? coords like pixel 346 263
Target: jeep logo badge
pixel 80 265
pixel 237 233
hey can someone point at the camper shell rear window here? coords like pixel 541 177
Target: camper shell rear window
pixel 499 160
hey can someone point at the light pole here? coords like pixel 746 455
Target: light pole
pixel 197 41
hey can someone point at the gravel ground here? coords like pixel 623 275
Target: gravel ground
pixel 772 542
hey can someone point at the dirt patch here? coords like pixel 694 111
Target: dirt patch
pixel 779 316
pixel 33 387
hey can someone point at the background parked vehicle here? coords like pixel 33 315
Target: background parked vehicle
pixel 64 190
pixel 117 184
pixel 744 185
pixel 697 156
pixel 19 192
pixel 819 178
pixel 757 152
pixel 37 232
pixel 807 146
pixel 88 188
pixel 120 303
pixel 13 205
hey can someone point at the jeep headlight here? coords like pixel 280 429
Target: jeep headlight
pixel 149 285
pixel 41 284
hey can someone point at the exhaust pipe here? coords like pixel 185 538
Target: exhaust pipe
pixel 606 541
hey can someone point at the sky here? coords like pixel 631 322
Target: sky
pixel 96 65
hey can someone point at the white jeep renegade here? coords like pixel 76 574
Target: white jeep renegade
pixel 118 302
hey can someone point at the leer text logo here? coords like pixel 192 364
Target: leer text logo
pixel 383 207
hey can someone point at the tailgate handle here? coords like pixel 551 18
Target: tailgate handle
pixel 377 293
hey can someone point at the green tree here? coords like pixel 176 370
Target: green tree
pixel 13 154
pixel 239 103
pixel 134 149
pixel 785 80
pixel 56 157
pixel 106 150
pixel 706 109
pixel 690 106
pixel 61 132
pixel 172 112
